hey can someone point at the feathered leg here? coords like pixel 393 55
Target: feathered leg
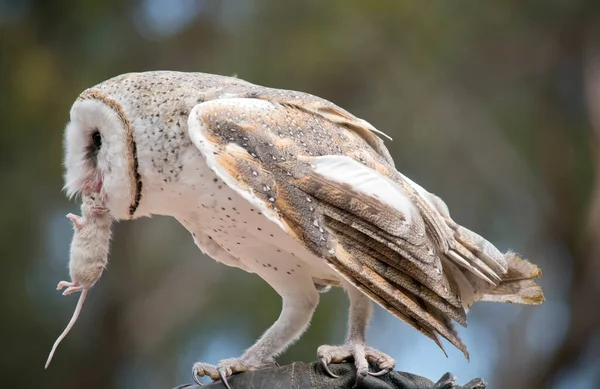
pixel 300 298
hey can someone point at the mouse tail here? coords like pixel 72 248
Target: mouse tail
pixel 69 326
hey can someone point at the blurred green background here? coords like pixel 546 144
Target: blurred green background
pixel 494 106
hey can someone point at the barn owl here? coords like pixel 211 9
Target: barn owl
pixel 292 188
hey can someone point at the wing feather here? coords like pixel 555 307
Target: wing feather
pixel 354 260
pixel 393 255
pixel 316 106
pixel 388 269
pixel 325 178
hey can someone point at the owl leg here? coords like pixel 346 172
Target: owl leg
pixel 354 347
pixel 300 298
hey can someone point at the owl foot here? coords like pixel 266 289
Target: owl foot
pixel 361 355
pixel 226 368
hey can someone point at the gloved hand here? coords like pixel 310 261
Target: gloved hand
pixel 311 376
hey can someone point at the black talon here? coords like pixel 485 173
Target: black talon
pixel 182 386
pixel 326 368
pixel 223 377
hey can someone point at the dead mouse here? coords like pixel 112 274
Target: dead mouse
pixel 88 256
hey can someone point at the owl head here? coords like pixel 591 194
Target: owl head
pixel 100 153
pixel 127 138
pixel 121 137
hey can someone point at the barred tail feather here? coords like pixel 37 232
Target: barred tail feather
pixel 512 276
pixel 517 285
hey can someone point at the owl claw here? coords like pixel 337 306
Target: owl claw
pixel 224 369
pixel 223 376
pixel 196 380
pixel 361 355
pixel 380 372
pixel 325 365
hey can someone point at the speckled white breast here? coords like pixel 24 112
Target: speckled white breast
pixel 228 228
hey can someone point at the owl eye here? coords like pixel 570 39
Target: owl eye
pixel 97 139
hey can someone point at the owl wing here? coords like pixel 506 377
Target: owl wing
pixel 321 175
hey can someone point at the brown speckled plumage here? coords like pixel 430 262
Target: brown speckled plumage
pixel 307 203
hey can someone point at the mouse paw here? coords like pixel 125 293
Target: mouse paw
pixel 78 222
pixel 71 287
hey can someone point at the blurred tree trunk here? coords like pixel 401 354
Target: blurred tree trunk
pixel 585 290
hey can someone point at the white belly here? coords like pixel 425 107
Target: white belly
pixel 231 230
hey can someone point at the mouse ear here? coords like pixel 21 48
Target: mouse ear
pixel 77 221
